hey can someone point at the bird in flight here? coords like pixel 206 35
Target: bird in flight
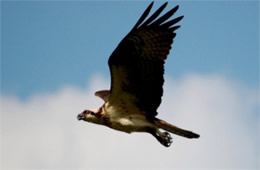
pixel 137 68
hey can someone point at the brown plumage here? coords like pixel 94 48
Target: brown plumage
pixel 137 69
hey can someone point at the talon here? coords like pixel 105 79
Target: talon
pixel 167 134
pixel 167 139
pixel 163 137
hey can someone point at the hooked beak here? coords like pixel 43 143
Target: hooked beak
pixel 80 116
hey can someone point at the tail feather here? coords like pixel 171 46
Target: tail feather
pixel 175 130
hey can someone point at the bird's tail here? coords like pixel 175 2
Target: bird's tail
pixel 174 129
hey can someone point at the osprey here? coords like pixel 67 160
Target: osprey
pixel 137 68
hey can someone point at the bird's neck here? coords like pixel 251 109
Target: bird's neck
pixel 99 117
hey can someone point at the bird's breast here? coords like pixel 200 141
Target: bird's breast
pixel 125 119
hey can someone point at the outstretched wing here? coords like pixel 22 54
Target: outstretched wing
pixel 103 94
pixel 137 64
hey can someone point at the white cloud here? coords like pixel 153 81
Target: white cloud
pixel 43 131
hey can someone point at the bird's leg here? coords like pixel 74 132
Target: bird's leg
pixel 163 137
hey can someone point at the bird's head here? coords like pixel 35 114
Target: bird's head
pixel 89 116
pixel 86 115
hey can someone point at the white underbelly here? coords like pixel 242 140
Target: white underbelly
pixel 130 123
pixel 128 119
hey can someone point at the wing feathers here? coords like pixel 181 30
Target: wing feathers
pixel 165 16
pixel 172 22
pixel 137 64
pixel 155 15
pixel 103 94
pixel 144 15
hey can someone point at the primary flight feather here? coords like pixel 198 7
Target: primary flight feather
pixel 137 69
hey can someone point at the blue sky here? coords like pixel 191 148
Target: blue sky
pixel 48 44
pixel 54 57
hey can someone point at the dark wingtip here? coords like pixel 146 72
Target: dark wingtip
pixel 170 23
pixel 194 135
pixel 165 17
pixel 144 15
pixel 175 28
pixel 165 4
pixel 154 15
pixel 176 7
pixel 150 5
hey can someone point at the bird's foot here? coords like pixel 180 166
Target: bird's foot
pixel 165 139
